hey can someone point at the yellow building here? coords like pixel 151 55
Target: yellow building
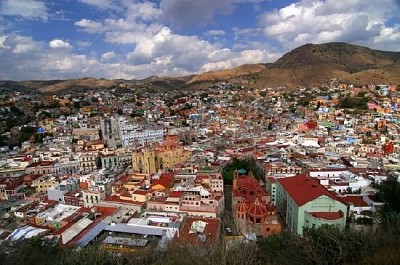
pixel 170 153
pixel 43 184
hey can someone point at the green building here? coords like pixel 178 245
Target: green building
pixel 302 202
pixel 270 184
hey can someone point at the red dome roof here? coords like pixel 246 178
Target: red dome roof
pixel 248 183
pixel 257 209
pixel 242 207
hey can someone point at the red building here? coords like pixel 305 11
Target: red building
pixel 253 212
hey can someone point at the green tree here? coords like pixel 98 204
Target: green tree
pixel 389 193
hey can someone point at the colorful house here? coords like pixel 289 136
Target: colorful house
pixel 303 202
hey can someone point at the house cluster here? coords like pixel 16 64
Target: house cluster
pixel 149 166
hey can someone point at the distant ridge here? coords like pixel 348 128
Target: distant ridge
pixel 245 69
pixel 306 66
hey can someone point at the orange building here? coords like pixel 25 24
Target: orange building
pixel 170 153
pixel 253 212
pixel 388 148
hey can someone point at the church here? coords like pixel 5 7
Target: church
pixel 253 213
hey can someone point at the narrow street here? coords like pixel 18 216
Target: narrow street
pixel 227 217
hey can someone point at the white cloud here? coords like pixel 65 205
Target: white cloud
pixel 89 25
pixel 21 44
pixel 2 40
pixel 108 55
pixel 361 22
pixel 156 48
pixel 29 9
pixel 215 32
pixel 59 44
pixel 239 58
pixel 100 4
pixel 84 44
pixel 145 11
pixel 165 43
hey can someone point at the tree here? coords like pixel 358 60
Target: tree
pixel 389 193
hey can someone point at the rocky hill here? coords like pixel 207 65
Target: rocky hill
pixel 315 64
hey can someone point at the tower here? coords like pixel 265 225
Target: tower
pixel 149 161
pixel 235 176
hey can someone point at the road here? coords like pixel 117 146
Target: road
pixel 227 217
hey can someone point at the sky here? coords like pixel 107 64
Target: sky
pixel 134 39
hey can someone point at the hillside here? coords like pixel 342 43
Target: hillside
pixel 75 84
pixel 152 83
pixel 315 64
pixel 245 69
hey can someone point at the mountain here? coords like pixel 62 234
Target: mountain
pixel 76 84
pixel 314 64
pixel 306 66
pixel 152 83
pixel 245 69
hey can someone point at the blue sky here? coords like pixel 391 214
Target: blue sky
pixel 132 39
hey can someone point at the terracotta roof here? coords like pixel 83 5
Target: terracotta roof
pixel 257 209
pixel 327 215
pixel 242 207
pixel 357 201
pixel 210 232
pixel 176 194
pixel 248 183
pixel 41 164
pixel 304 189
pixel 117 199
pixel 141 192
pixel 164 180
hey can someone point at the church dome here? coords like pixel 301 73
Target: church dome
pixel 257 210
pixel 249 184
pixel 242 207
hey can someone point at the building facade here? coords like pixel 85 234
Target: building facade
pixel 303 202
pixel 170 153
pixel 253 212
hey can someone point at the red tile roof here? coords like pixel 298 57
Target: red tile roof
pixel 210 232
pixel 248 183
pixel 256 209
pixel 304 189
pixel 327 215
pixel 141 192
pixel 118 200
pixel 176 194
pixel 357 201
pixel 41 164
pixel 165 180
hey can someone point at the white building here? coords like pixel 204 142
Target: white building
pixel 131 133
